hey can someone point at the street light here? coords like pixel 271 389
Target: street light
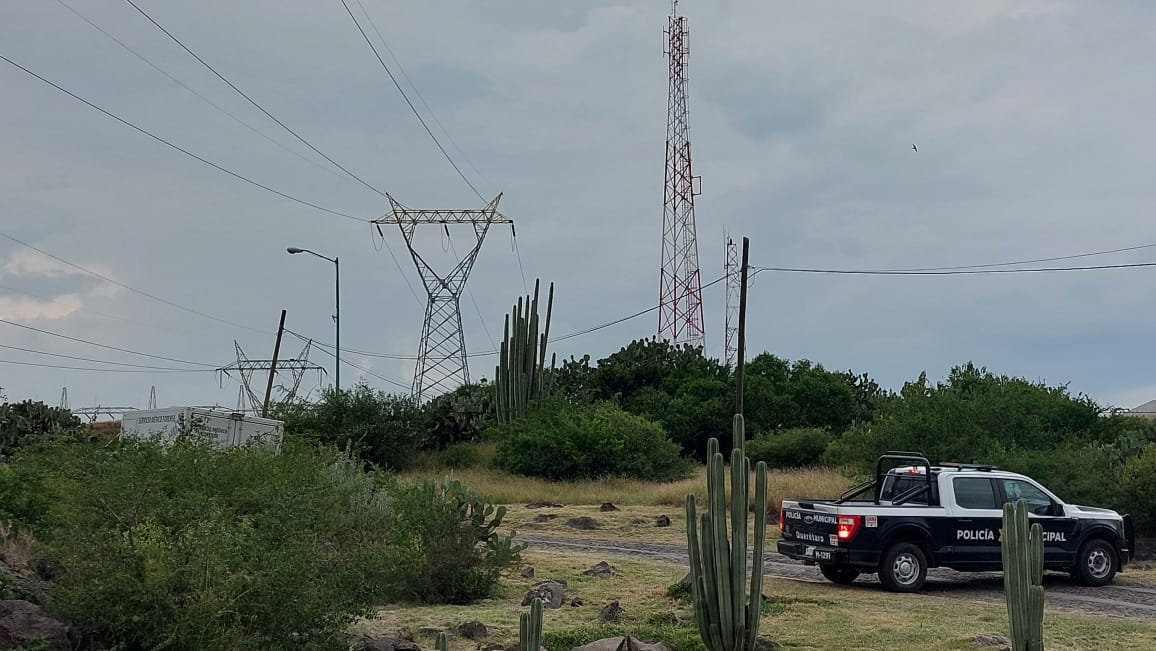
pixel 337 302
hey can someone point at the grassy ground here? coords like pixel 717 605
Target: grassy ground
pixel 510 489
pixel 797 615
pixel 634 523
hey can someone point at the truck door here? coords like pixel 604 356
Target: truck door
pixel 1059 530
pixel 973 535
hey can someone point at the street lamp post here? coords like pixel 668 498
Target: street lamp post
pixel 337 305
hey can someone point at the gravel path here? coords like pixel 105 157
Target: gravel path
pixel 1120 600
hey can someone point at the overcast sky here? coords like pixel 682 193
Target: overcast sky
pixel 1032 119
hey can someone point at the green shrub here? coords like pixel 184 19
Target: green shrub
pixel 562 442
pixel 28 422
pixel 444 547
pixel 461 455
pixel 791 448
pixel 189 548
pixel 1070 481
pixel 382 429
pixel 1140 490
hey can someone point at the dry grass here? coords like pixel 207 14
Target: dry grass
pixel 504 488
pixel 804 616
pixel 1138 572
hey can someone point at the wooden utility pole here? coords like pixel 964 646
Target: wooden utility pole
pixel 740 358
pixel 273 366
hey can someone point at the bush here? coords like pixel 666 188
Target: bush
pixel 562 442
pixel 382 429
pixel 1140 490
pixel 792 448
pixel 1071 482
pixel 28 422
pixel 463 455
pixel 444 547
pixel 189 548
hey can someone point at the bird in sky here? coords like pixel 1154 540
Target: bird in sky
pixel 914 147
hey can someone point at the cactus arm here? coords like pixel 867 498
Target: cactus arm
pixel 755 605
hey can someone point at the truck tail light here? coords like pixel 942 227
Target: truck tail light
pixel 848 526
pixel 782 518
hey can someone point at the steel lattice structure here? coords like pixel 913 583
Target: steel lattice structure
pixel 733 280
pixel 441 357
pixel 245 368
pixel 680 318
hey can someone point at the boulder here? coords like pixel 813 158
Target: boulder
pixel 614 643
pixel 611 613
pixel 991 639
pixel 527 572
pixel 584 523
pixel 602 570
pixel 662 521
pixel 544 517
pixel 607 507
pixel 576 601
pixel 23 622
pixel 473 630
pixel 544 505
pixel 552 594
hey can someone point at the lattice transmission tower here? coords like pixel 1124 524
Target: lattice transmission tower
pixel 441 356
pixel 680 317
pixel 733 281
pixel 246 368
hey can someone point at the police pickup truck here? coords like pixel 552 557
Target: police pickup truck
pixel 917 516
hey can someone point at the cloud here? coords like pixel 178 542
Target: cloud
pixel 1031 121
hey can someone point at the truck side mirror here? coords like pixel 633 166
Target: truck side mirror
pixel 1056 509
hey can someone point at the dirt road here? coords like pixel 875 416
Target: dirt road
pixel 1125 598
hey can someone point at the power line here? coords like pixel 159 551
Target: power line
pixel 949 272
pixel 250 100
pixel 323 348
pixel 1034 261
pixel 89 359
pixel 105 346
pixel 178 147
pixel 131 289
pixel 407 100
pixel 102 370
pixel 198 94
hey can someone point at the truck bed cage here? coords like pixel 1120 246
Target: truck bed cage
pixel 914 458
pixel 986 467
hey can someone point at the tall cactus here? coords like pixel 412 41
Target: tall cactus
pixel 727 615
pixel 520 374
pixel 1023 572
pixel 443 643
pixel 530 628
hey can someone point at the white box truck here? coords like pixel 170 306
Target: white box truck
pixel 224 429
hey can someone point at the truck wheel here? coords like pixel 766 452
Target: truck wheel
pixel 1096 563
pixel 904 568
pixel 840 575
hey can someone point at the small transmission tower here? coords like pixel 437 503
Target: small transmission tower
pixel 245 368
pixel 680 317
pixel 441 357
pixel 733 281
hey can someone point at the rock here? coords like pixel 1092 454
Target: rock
pixel 386 643
pixel 585 523
pixel 23 622
pixel 46 569
pixel 527 572
pixel 544 517
pixel 663 521
pixel 552 593
pixel 602 570
pixel 544 505
pixel 473 631
pixel 990 639
pixel 492 646
pixel 611 613
pixel 577 601
pixel 607 507
pixel 613 643
pixel 687 581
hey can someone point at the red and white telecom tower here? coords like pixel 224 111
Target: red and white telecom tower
pixel 680 287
